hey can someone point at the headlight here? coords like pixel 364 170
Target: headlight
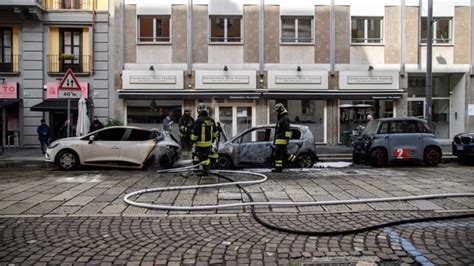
pixel 53 145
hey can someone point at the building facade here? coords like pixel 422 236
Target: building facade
pixel 40 40
pixel 330 62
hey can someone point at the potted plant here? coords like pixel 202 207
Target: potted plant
pixel 67 56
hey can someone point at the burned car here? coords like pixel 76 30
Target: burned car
pixel 396 139
pixel 463 146
pixel 121 146
pixel 254 147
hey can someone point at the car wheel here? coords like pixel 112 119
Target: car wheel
pixel 305 160
pixel 378 158
pixel 224 162
pixel 432 156
pixel 68 160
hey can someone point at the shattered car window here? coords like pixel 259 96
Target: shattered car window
pixel 371 128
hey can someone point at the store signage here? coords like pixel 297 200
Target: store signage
pixel 369 80
pixel 225 79
pixel 387 97
pixel 8 90
pixel 298 79
pixel 152 79
pixel 53 92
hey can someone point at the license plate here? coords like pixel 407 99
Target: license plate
pixel 459 147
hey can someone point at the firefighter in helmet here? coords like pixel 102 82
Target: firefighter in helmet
pixel 186 123
pixel 203 135
pixel 282 137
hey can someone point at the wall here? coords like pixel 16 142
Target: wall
pixel 457 104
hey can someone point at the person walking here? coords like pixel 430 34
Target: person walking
pixel 43 135
pixel 64 130
pixel 203 135
pixel 186 123
pixel 282 137
pixel 96 124
pixel 167 122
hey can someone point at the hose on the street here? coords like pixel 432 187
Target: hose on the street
pixel 253 203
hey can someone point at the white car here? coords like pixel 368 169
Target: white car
pixel 121 146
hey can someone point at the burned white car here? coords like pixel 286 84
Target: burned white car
pixel 254 147
pixel 121 146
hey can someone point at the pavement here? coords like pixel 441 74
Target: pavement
pixel 49 216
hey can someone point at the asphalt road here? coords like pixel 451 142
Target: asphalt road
pixel 51 216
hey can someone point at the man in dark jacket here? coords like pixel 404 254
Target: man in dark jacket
pixel 43 135
pixel 96 124
pixel 203 135
pixel 186 123
pixel 282 138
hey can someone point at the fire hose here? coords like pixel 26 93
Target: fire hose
pixel 263 178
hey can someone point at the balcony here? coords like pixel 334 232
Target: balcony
pixel 21 3
pixel 83 5
pixel 59 64
pixel 10 64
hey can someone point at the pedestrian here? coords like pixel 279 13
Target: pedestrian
pixel 186 123
pixel 370 118
pixel 167 122
pixel 282 138
pixel 43 135
pixel 64 130
pixel 96 124
pixel 203 135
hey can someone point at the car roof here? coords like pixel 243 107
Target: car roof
pixel 273 125
pixel 400 119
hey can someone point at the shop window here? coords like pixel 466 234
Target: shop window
pixel 225 29
pixel 154 29
pixel 296 29
pixel 442 30
pixel 367 30
pixel 417 86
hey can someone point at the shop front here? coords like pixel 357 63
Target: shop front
pixel 9 114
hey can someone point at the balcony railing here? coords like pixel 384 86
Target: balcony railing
pixel 61 63
pixel 68 4
pixel 10 63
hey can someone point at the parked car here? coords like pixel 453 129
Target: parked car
pixel 254 147
pixel 396 139
pixel 463 146
pixel 120 146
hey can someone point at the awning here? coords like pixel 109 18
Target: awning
pixel 7 102
pixel 269 94
pixel 188 94
pixel 54 105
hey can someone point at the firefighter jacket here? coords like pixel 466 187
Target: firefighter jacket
pixel 186 123
pixel 204 131
pixel 282 130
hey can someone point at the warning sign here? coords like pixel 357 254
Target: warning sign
pixel 69 87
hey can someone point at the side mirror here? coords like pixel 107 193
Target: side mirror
pixel 91 139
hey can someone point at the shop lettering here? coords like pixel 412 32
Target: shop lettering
pixel 8 90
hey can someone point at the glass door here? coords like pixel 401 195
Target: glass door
pixel 233 118
pixel 440 114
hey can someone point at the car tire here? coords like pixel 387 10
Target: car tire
pixel 68 160
pixel 378 158
pixel 305 160
pixel 224 162
pixel 432 156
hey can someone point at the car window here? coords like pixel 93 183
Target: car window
pixel 256 135
pixel 384 128
pixel 423 128
pixel 371 128
pixel 400 127
pixel 295 133
pixel 112 134
pixel 140 135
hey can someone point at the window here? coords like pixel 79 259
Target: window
pixel 442 30
pixel 154 29
pixel 225 29
pixel 367 30
pixel 403 127
pixel 71 4
pixel 113 134
pixel 6 56
pixel 71 50
pixel 140 135
pixel 296 29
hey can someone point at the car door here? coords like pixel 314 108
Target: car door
pixel 105 148
pixel 296 142
pixel 404 139
pixel 255 146
pixel 136 146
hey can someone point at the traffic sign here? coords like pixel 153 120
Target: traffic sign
pixel 69 82
pixel 69 94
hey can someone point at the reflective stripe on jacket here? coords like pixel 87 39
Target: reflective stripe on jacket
pixel 204 131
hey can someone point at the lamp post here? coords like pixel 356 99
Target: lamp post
pixel 429 59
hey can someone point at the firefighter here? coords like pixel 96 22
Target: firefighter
pixel 203 135
pixel 186 123
pixel 282 137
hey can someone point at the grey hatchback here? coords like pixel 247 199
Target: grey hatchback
pixel 254 147
pixel 396 139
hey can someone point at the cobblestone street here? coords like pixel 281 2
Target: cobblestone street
pixel 52 216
